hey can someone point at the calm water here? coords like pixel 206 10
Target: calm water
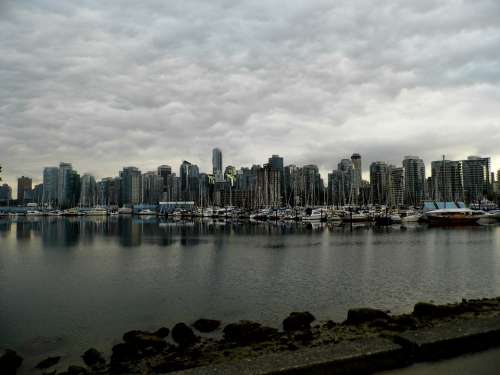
pixel 67 284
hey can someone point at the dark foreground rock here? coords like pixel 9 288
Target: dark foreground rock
pixel 93 358
pixel 298 321
pixel 206 325
pixel 48 362
pixel 143 339
pixel 365 315
pixel 183 335
pixel 247 332
pixel 75 370
pixel 162 332
pixel 10 361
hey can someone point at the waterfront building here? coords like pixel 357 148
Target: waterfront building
pixel 268 187
pixel 397 185
pixel 5 194
pixel 152 188
pixel 68 186
pixel 24 188
pixel 276 163
pixel 50 185
pixel 217 166
pixel 476 178
pixel 291 174
pixel 38 194
pixel 340 184
pixel 312 193
pixel 230 174
pixel 414 180
pixel 88 191
pixel 131 186
pixel 447 181
pixel 356 177
pixel 172 191
pixel 379 182
pixel 164 171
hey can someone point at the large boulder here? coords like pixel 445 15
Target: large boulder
pixel 48 362
pixel 206 325
pixel 247 332
pixel 365 315
pixel 76 370
pixel 143 340
pixel 162 332
pixel 124 352
pixel 10 361
pixel 298 321
pixel 183 335
pixel 93 358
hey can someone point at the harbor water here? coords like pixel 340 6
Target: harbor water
pixel 67 284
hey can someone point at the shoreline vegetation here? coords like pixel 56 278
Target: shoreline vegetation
pixel 212 342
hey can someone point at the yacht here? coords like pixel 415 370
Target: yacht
pixel 411 217
pixel 97 211
pixel 71 212
pixel 34 213
pixel 351 217
pixel 54 213
pixel 146 211
pixel 125 211
pixel 316 215
pixel 455 216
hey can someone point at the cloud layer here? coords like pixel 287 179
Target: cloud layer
pixel 109 84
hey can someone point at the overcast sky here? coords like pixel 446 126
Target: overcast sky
pixel 104 84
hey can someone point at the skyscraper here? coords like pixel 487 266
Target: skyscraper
pixel 476 178
pixel 447 180
pixel 217 164
pixel 24 189
pixel 379 182
pixel 50 185
pixel 276 162
pixel 152 188
pixel 414 177
pixel 5 194
pixel 356 177
pixel 164 171
pixel 68 189
pixel 397 186
pixel 131 186
pixel 88 191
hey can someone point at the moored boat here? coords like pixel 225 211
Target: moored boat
pixel 455 216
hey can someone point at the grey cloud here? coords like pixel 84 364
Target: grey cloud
pixel 108 84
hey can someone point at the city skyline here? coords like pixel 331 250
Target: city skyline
pixel 274 183
pixel 37 178
pixel 312 80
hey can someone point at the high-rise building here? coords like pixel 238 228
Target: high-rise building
pixel 356 177
pixel 217 166
pixel 50 185
pixel 276 162
pixel 164 171
pixel 184 172
pixel 414 180
pixel 152 188
pixel 24 188
pixel 88 191
pixel 38 194
pixel 447 181
pixel 396 186
pixel 268 187
pixel 131 186
pixel 5 194
pixel 68 189
pixel 340 184
pixel 379 182
pixel 476 178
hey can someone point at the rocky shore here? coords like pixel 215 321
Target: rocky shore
pixel 193 345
